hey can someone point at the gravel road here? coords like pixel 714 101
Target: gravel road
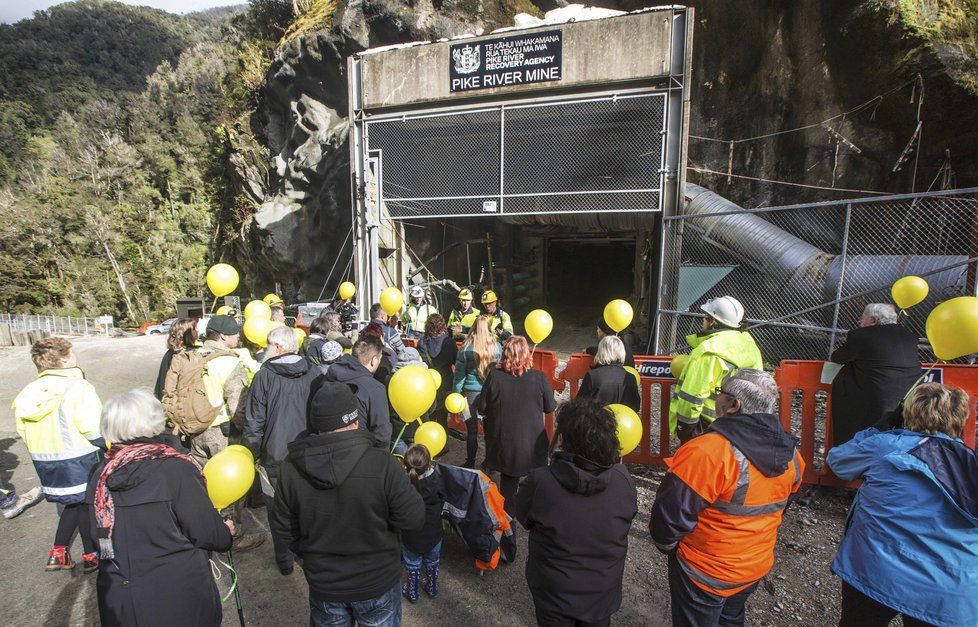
pixel 799 591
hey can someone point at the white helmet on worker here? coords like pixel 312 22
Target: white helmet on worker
pixel 417 292
pixel 726 310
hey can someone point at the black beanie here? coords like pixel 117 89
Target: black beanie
pixel 332 407
pixel 605 328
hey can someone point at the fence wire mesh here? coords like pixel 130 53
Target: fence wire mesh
pixel 60 325
pixel 805 272
pixel 596 155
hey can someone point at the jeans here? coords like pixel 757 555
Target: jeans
pixel 414 560
pixel 471 419
pixel 694 607
pixel 382 611
pixel 859 610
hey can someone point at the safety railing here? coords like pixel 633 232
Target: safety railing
pixel 805 408
pixel 59 325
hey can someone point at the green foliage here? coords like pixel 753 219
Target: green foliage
pixel 318 14
pixel 112 179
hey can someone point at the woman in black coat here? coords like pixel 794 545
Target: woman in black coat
pixel 156 526
pixel 608 382
pixel 578 511
pixel 439 351
pixel 513 401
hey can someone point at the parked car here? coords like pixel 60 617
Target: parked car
pixel 158 329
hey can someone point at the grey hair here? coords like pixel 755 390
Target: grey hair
pixel 882 313
pixel 284 338
pixel 132 414
pixel 611 350
pixel 755 389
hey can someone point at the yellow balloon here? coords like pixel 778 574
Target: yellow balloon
pixel 222 279
pixel 256 330
pixel 629 427
pixel 243 450
pixel 638 377
pixel 229 476
pixel 257 309
pixel 300 335
pixel 952 328
pixel 391 300
pixel 909 291
pixel 538 325
pixel 618 314
pixel 276 324
pixel 435 376
pixel 224 310
pixel 677 364
pixel 455 403
pixel 347 289
pixel 432 435
pixel 411 391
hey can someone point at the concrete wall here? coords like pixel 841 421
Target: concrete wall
pixel 618 49
pixel 20 338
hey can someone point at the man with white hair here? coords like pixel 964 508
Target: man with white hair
pixel 276 415
pixel 717 511
pixel 880 365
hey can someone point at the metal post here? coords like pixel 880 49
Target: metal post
pixel 842 280
pixel 85 320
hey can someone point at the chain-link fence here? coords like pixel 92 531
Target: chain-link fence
pixel 60 325
pixel 805 272
pixel 598 154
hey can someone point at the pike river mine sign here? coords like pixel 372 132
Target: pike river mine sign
pixel 518 60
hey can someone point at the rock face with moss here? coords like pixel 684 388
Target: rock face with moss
pixel 759 69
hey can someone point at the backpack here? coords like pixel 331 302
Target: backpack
pixel 185 401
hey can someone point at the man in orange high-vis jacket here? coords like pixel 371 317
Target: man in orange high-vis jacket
pixel 718 509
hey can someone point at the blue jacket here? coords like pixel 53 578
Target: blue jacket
pixel 467 369
pixel 911 540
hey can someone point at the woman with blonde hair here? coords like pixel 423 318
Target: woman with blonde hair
pixel 478 354
pixel 513 402
pixel 911 541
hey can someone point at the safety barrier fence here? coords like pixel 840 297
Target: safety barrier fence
pixel 60 325
pixel 805 408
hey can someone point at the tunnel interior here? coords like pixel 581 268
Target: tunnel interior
pixel 582 272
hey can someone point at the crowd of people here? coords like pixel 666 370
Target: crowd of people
pixel 359 507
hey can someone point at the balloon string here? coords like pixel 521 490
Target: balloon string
pixel 214 304
pixel 234 580
pixel 922 378
pixel 398 439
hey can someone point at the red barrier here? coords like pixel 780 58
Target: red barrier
pixel 544 361
pixel 805 377
pixel 580 363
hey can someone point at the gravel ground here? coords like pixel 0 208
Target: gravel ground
pixel 799 591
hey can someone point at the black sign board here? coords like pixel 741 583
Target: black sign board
pixel 516 60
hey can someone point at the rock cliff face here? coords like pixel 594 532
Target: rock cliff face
pixel 760 68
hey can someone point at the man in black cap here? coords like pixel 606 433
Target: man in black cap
pixel 602 330
pixel 341 504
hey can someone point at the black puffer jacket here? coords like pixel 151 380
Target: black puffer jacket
pixel 371 395
pixel 165 527
pixel 578 515
pixel 277 402
pixel 340 505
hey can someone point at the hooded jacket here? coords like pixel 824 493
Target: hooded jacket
pixel 911 540
pixel 277 402
pixel 375 413
pixel 721 502
pixel 340 506
pixel 716 355
pixel 578 514
pixel 165 527
pixel 57 415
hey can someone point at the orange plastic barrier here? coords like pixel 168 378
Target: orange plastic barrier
pixel 805 377
pixel 579 363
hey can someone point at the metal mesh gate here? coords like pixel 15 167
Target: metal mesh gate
pixel 805 272
pixel 599 154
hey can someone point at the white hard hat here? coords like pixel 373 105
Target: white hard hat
pixel 417 292
pixel 726 310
